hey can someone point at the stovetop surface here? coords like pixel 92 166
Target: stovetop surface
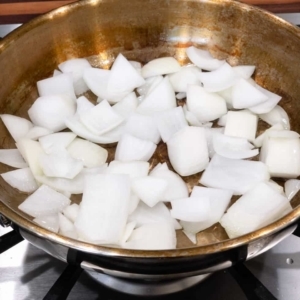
pixel 27 273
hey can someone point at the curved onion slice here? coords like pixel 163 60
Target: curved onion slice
pixel 275 116
pixel 131 148
pixel 77 127
pixel 169 122
pixel 13 158
pixel 59 140
pixel 158 213
pixel 291 188
pixel 154 236
pixel 187 151
pixel 17 127
pixel 160 66
pixel 44 201
pixel 204 105
pixel 123 77
pixel 51 111
pixel 219 201
pixel 185 76
pixel 245 95
pixel 193 209
pixel 232 174
pixel 101 118
pixel 90 154
pixel 143 127
pixel 220 79
pixel 58 85
pixel 257 208
pixel 203 59
pixel 268 105
pixel 149 189
pixel 177 188
pixel 161 98
pixel 49 222
pixel 233 147
pixel 21 179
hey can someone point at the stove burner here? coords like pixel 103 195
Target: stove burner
pixel 146 287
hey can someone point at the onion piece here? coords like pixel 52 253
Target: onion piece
pixel 258 142
pixel 103 210
pixel 58 85
pixel 257 208
pixel 36 132
pixel 154 236
pixel 204 105
pixel 191 236
pixel 227 96
pixel 245 95
pixel 66 227
pixel 123 77
pixel 268 105
pixel 133 203
pixel 209 134
pixel 149 189
pixel 149 85
pixel 291 187
pixel 160 66
pixel 51 111
pixel 75 67
pixel 134 169
pixel 220 79
pixel 83 105
pixel 31 151
pixel 131 148
pixel 180 96
pixel 127 233
pixel 169 122
pixel 100 118
pixel 21 179
pixel 17 127
pixel 126 106
pixel 203 59
pixel 274 185
pixel 78 128
pixel 185 76
pixel 60 164
pixel 161 98
pixel 73 186
pixel 193 209
pixel 222 120
pixel 233 147
pixel 13 158
pixel 44 201
pixel 187 150
pixel 71 212
pixel 177 188
pixel 241 124
pixel 60 140
pixel 159 167
pixel 143 127
pixel 90 154
pixel 49 222
pixel 156 214
pixel 275 116
pixel 288 149
pixel 219 201
pixel 56 72
pixel 236 175
pixel 136 64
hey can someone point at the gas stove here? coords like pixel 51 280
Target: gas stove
pixel 27 272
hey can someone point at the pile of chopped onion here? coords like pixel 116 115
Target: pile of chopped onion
pixel 123 201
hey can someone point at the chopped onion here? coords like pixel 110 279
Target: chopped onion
pixel 133 203
pixel 275 116
pixel 49 222
pixel 210 133
pixel 160 66
pixel 126 106
pixel 191 236
pixel 244 71
pixel 258 142
pixel 66 227
pixel 131 148
pixel 71 212
pixel 36 132
pixel 134 169
pixel 181 96
pixel 127 232
pixel 291 187
pixel 83 105
pixel 13 158
pixel 21 179
pixel 44 201
pixel 222 120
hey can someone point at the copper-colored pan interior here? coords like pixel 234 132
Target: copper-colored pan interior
pixel 143 30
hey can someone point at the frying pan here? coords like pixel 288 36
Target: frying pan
pixel 143 30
